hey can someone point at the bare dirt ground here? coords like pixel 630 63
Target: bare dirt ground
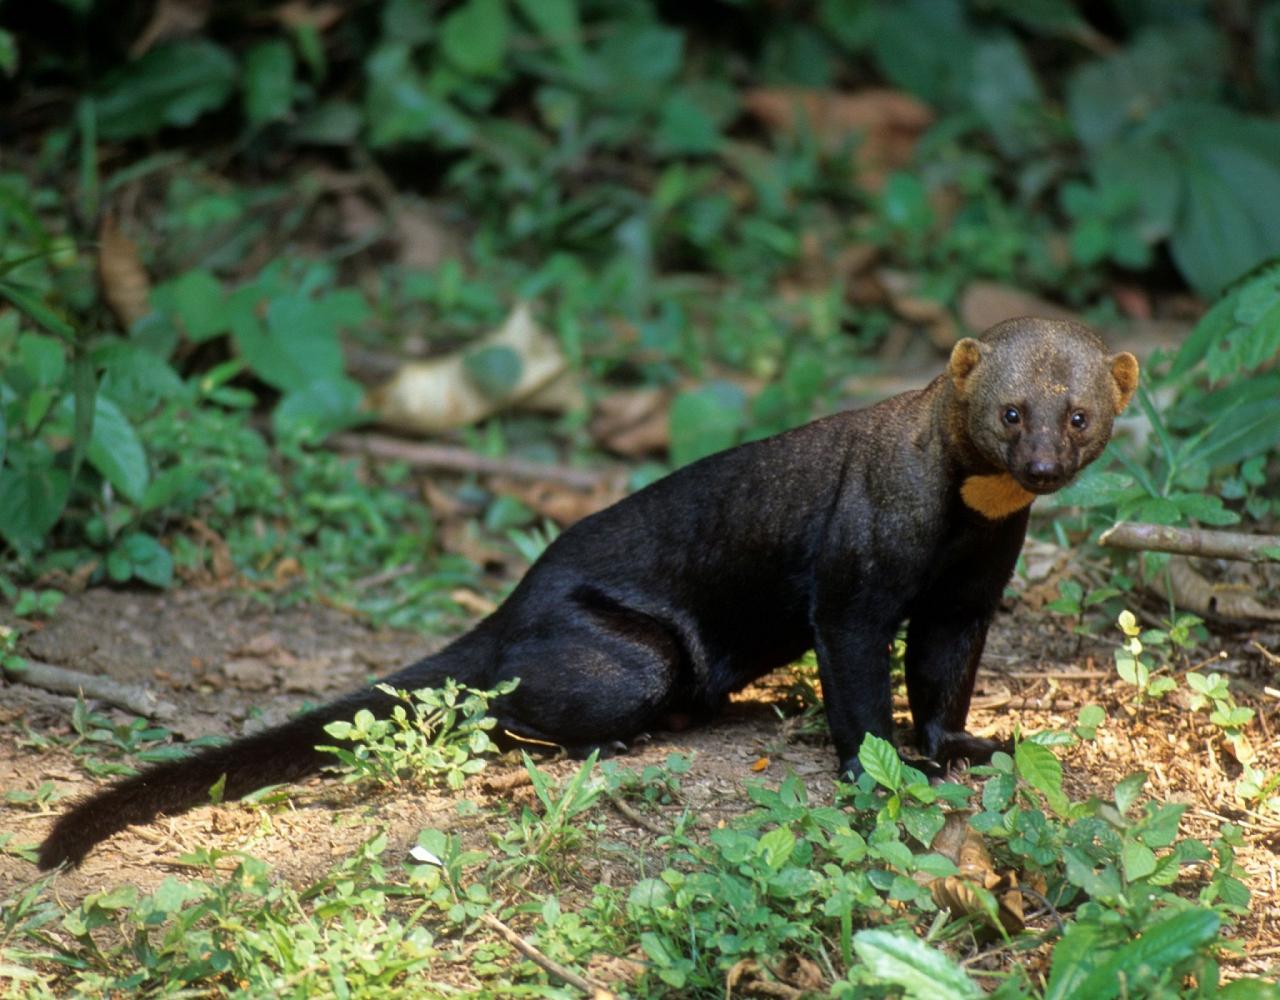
pixel 220 655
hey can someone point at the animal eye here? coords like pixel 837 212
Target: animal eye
pixel 1012 416
pixel 1079 420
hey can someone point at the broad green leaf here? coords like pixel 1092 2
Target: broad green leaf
pixel 83 390
pixel 31 501
pixel 268 82
pixel 173 84
pixel 116 451
pixel 923 973
pixel 8 53
pixel 27 300
pixel 879 758
pixel 557 22
pixel 43 359
pixel 1040 768
pixel 685 127
pixel 1128 789
pixel 1138 859
pixel 705 420
pixel 319 409
pixel 1004 92
pixel 1211 329
pixel 1074 958
pixel 399 107
pixel 198 301
pixel 474 36
pixel 494 369
pixel 776 847
pixel 1161 947
pixel 148 560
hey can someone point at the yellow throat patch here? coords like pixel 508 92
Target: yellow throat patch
pixel 994 497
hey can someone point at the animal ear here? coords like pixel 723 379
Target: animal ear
pixel 964 359
pixel 1124 375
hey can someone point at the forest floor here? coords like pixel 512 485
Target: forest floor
pixel 218 655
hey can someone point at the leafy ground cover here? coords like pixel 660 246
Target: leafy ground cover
pixel 223 232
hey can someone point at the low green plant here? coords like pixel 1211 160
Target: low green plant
pixel 432 736
pixel 548 840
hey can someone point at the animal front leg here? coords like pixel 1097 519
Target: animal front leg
pixel 853 665
pixel 943 650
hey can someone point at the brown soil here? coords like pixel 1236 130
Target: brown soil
pixel 221 657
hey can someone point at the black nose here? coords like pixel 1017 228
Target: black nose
pixel 1043 471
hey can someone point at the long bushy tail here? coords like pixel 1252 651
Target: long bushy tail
pixel 281 754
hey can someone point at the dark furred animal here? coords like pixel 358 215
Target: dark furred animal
pixel 828 537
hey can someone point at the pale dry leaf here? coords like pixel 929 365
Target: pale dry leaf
pixel 425 241
pixel 125 284
pixel 986 303
pixel 633 422
pixel 171 19
pixel 889 122
pixel 300 14
pixel 426 397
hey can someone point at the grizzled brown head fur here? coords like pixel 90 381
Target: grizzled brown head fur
pixel 1037 399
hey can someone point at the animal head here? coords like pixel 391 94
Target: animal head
pixel 1039 397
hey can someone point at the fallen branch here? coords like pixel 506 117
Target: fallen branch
pixel 1190 541
pixel 638 818
pixel 591 989
pixel 63 681
pixel 454 459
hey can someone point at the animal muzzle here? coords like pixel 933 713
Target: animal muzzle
pixel 1042 475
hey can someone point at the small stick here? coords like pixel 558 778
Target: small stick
pixel 591 989
pixel 60 680
pixel 1190 541
pixel 636 817
pixel 453 459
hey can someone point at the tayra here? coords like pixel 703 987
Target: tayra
pixel 827 537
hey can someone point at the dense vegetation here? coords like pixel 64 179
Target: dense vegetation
pixel 210 213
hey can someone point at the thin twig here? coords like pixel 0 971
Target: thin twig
pixel 1190 541
pixel 454 459
pixel 636 817
pixel 592 989
pixel 63 681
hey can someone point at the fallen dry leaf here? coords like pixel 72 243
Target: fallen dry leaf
pixel 888 121
pixel 633 422
pixel 125 284
pixel 761 764
pixel 300 14
pixel 425 240
pixel 986 303
pixel 427 397
pixel 558 501
pixel 171 19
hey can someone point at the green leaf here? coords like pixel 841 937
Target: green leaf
pixel 1128 789
pixel 83 390
pixel 1204 508
pixel 268 82
pixel 27 300
pixel 706 420
pixel 43 359
pixel 173 84
pixel 879 758
pixel 1138 860
pixel 1161 947
pixel 776 847
pixel 8 53
pixel 197 300
pixel 399 107
pixel 1075 956
pixel 146 558
pixel 116 451
pixel 1040 768
pixel 557 22
pixel 319 409
pixel 474 36
pixel 1005 92
pixel 494 369
pixel 923 973
pixel 31 501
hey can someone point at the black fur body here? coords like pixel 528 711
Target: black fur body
pixel 825 537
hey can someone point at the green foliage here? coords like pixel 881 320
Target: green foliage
pixel 440 738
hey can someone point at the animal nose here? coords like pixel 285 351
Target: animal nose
pixel 1041 470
